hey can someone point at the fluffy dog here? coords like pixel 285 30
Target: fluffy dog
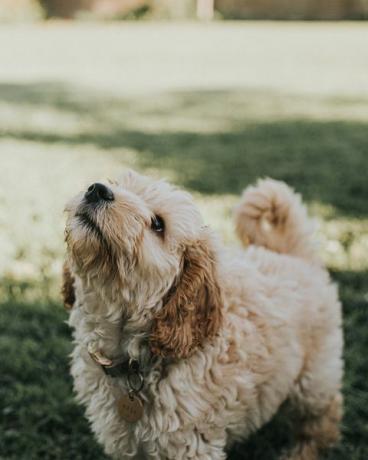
pixel 183 346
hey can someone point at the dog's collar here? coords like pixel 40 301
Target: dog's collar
pixel 130 405
pixel 121 368
pixel 130 369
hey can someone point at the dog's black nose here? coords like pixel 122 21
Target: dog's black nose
pixel 98 192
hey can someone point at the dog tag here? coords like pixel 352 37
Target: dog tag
pixel 130 408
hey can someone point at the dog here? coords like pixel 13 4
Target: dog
pixel 183 346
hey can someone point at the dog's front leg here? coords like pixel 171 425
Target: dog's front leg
pixel 193 445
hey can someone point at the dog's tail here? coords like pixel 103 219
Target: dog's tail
pixel 272 215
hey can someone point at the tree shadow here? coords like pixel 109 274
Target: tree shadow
pixel 39 417
pixel 216 142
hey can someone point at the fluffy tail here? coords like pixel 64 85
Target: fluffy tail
pixel 272 215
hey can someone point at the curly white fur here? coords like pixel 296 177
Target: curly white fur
pixel 280 337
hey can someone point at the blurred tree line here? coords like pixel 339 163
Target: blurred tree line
pixel 179 9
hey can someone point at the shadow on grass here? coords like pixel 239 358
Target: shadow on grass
pixel 230 138
pixel 40 419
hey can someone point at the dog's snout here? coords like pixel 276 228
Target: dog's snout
pixel 98 192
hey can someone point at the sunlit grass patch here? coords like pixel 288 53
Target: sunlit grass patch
pixel 32 221
pixel 345 243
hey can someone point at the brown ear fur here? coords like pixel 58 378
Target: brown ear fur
pixel 67 288
pixel 192 312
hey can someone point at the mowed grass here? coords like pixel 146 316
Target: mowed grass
pixel 211 108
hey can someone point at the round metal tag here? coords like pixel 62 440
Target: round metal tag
pixel 130 408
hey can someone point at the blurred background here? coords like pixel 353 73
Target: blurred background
pixel 208 94
pixel 184 9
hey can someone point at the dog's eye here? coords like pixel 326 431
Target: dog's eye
pixel 158 224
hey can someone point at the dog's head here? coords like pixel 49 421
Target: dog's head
pixel 142 243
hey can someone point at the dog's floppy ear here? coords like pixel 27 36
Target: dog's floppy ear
pixel 192 311
pixel 67 288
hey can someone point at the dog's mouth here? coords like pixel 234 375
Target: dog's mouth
pixel 89 223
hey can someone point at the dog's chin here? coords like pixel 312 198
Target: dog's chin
pixel 89 247
pixel 87 224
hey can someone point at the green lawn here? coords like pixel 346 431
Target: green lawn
pixel 210 107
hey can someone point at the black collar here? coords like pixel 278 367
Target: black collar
pixel 131 370
pixel 122 368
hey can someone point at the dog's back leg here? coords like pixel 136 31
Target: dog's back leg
pixel 316 398
pixel 318 432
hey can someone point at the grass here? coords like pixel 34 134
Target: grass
pixel 211 108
